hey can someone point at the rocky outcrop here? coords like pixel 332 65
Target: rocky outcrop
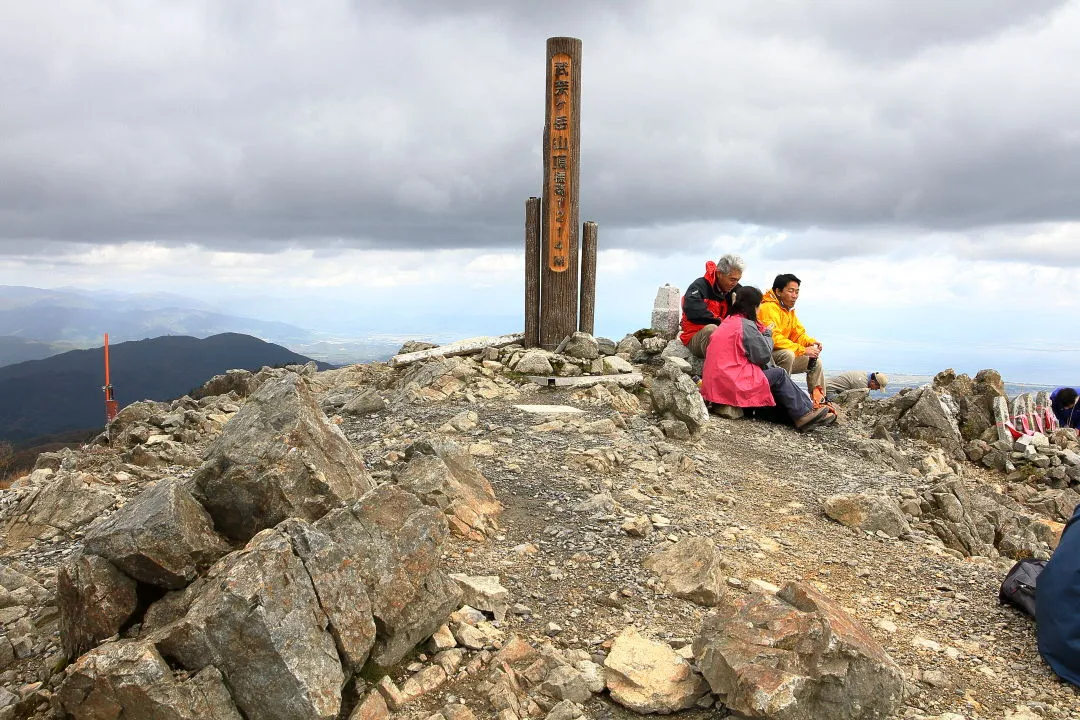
pixel 925 415
pixel 983 523
pixel 974 400
pixel 279 457
pixel 796 656
pixel 241 383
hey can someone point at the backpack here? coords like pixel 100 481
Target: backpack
pixel 1018 589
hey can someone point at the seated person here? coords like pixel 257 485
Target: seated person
pixel 707 300
pixel 1063 403
pixel 1057 605
pixel 794 350
pixel 855 380
pixel 739 370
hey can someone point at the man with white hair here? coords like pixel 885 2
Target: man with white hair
pixel 706 302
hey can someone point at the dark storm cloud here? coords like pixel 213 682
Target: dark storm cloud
pixel 259 126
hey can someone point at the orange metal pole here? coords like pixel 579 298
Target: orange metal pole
pixel 106 359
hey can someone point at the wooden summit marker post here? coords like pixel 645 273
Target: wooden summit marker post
pixel 559 207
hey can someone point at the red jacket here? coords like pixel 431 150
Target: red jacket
pixel 732 374
pixel 703 304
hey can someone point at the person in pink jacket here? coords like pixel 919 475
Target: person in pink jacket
pixel 739 369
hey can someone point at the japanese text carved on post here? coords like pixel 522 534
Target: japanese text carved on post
pixel 560 189
pixel 559 215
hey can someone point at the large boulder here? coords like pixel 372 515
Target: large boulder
pixel 870 512
pixel 796 655
pixel 259 621
pixel 130 679
pixel 675 395
pixel 649 677
pixel 443 475
pixel 534 362
pixel 278 457
pixel 163 537
pixel 691 569
pixel 582 346
pixel 94 600
pixel 396 543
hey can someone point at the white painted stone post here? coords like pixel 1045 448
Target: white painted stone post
pixel 1001 416
pixel 666 311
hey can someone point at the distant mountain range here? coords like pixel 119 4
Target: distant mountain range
pixel 63 393
pixel 36 323
pixel 80 318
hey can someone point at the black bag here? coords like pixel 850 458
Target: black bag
pixel 1018 589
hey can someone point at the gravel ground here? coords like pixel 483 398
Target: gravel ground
pixel 756 489
pixel 575 577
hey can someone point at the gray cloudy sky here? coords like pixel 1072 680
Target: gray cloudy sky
pixel 275 143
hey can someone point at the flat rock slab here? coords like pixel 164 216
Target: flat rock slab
pixel 459 347
pixel 550 409
pixel 625 379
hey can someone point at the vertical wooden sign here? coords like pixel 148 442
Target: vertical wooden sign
pixel 560 206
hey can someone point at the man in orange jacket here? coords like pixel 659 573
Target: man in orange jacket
pixel 793 349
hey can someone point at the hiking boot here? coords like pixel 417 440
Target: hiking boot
pixel 811 418
pixel 830 419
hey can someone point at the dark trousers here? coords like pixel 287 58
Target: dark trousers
pixel 787 394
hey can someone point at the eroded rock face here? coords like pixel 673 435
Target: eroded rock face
pixel 340 588
pixel 278 457
pixel 691 569
pixel 163 537
pixel 949 509
pixel 796 656
pixel 259 621
pixel 443 475
pixel 129 679
pixel 396 542
pixel 95 599
pixel 649 677
pixel 869 512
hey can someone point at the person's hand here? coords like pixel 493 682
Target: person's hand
pixel 770 326
pixel 812 351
